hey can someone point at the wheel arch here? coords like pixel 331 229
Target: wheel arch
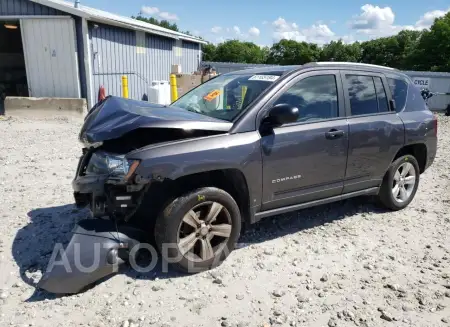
pixel 231 180
pixel 418 150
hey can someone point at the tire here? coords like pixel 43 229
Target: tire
pixel 171 228
pixel 386 195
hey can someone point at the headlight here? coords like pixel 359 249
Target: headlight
pixel 107 163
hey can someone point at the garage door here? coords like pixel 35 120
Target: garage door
pixel 50 57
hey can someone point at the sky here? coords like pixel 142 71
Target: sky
pixel 267 21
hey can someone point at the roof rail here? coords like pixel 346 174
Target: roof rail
pixel 347 63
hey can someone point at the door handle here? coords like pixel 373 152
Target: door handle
pixel 334 134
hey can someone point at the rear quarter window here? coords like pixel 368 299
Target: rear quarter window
pixel 415 101
pixel 399 90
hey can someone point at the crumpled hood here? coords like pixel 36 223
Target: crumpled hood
pixel 116 116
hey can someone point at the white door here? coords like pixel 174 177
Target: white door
pixel 50 57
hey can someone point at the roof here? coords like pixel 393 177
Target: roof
pixel 101 16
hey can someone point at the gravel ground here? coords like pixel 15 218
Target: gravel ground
pixel 345 264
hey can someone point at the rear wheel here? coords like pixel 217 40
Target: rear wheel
pixel 198 230
pixel 400 183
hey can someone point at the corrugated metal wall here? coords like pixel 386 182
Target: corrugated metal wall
pixel 190 59
pixel 142 57
pixel 439 83
pixel 25 7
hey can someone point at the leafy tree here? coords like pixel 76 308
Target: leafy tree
pixel 290 52
pixel 209 52
pixel 433 49
pixel 237 51
pixel 339 51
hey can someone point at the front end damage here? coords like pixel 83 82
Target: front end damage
pixel 107 183
pixel 98 246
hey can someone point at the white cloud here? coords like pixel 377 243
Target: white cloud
pixel 216 29
pixel 317 33
pixel 428 18
pixel 168 16
pixel 377 22
pixel 373 18
pixel 253 31
pixel 149 10
pixel 236 29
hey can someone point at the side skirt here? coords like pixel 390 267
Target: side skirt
pixel 263 214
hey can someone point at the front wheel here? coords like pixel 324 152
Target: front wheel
pixel 400 183
pixel 198 230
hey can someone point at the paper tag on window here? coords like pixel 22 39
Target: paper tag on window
pixel 268 78
pixel 212 95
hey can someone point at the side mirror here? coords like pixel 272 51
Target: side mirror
pixel 282 114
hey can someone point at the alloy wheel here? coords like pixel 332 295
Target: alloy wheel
pixel 404 182
pixel 204 231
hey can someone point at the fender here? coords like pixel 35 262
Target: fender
pixel 240 151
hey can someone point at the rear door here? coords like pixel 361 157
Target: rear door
pixel 306 160
pixel 376 132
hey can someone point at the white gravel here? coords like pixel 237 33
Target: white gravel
pixel 345 264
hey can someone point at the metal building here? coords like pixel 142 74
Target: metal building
pixel 54 48
pixel 438 83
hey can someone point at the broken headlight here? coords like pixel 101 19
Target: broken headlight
pixel 103 163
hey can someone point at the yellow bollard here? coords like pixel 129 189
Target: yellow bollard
pixel 173 88
pixel 125 87
pixel 244 92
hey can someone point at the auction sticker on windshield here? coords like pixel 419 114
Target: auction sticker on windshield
pixel 212 95
pixel 268 78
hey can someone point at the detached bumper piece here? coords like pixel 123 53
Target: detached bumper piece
pixel 95 251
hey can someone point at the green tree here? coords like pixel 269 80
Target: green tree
pixel 209 52
pixel 339 51
pixel 290 52
pixel 433 49
pixel 237 51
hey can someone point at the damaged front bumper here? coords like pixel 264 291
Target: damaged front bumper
pixel 96 250
pixel 97 246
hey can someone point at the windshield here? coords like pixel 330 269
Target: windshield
pixel 226 96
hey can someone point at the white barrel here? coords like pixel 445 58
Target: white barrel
pixel 154 94
pixel 165 86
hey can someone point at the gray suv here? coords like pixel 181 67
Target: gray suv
pixel 251 144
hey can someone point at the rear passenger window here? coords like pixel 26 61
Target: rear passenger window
pixel 383 104
pixel 399 90
pixel 315 97
pixel 363 97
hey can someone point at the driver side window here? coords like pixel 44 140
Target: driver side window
pixel 315 97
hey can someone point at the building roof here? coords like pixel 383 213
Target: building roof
pixel 426 74
pixel 101 16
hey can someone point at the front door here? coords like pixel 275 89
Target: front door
pixel 306 160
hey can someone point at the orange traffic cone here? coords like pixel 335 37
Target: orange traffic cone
pixel 101 93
